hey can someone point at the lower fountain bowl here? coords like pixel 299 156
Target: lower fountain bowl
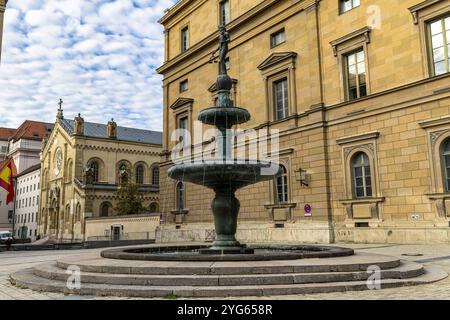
pixel 263 252
pixel 213 174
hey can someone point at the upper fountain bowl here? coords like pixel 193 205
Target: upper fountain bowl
pixel 225 116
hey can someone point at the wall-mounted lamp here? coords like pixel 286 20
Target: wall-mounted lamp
pixel 302 176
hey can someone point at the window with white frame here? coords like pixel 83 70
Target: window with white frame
pixel 347 5
pixel 362 181
pixel 440 45
pixel 281 98
pixel 224 12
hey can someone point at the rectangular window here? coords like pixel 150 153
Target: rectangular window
pixel 355 71
pixel 347 5
pixel 440 45
pixel 277 38
pixel 4 149
pixel 183 124
pixel 281 95
pixel 184 39
pixel 224 12
pixel 184 86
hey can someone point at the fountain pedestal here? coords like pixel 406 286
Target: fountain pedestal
pixel 225 207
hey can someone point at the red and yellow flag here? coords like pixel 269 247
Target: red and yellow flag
pixel 7 171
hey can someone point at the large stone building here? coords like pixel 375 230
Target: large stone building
pixel 360 91
pixel 27 203
pixel 22 146
pixel 2 12
pixel 5 134
pixel 82 165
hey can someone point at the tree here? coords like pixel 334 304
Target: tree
pixel 130 199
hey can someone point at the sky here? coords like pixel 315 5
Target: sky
pixel 99 56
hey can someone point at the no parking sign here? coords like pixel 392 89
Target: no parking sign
pixel 308 210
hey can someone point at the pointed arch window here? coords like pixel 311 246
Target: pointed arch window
pixel 362 180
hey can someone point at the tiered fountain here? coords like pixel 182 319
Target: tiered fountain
pixel 224 175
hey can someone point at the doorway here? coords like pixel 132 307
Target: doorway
pixel 116 233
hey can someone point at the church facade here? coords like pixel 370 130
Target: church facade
pixel 82 166
pixel 359 91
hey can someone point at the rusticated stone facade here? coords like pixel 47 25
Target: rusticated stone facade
pixel 399 123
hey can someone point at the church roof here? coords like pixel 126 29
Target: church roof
pixel 98 130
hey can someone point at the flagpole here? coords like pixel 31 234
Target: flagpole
pixel 14 205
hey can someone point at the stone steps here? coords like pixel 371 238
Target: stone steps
pixel 51 271
pixel 156 279
pixel 27 279
pixel 357 262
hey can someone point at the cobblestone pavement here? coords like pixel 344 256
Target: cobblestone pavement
pixel 431 255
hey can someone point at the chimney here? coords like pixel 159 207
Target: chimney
pixel 112 129
pixel 78 126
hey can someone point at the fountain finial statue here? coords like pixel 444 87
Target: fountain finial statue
pixel 224 40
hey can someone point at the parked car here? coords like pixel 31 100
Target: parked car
pixel 5 236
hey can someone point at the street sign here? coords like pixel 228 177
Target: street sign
pixel 308 210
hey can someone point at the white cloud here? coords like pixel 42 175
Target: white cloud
pixel 98 55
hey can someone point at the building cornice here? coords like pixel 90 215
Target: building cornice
pixel 435 122
pixel 212 38
pixel 174 10
pixel 116 149
pixel 420 6
pixel 3 6
pixel 365 32
pixel 357 138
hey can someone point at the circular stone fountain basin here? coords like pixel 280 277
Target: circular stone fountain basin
pixel 214 174
pixel 192 253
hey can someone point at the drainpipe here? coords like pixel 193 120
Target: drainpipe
pixel 14 206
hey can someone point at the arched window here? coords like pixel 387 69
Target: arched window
pixel 362 181
pixel 140 174
pixel 282 185
pixel 446 163
pixel 123 173
pixel 155 176
pixel 95 171
pixel 69 170
pixel 180 196
pixel 104 209
pixel 154 207
pixel 78 212
pixel 67 212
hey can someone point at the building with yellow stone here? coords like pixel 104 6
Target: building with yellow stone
pixel 360 92
pixel 82 166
